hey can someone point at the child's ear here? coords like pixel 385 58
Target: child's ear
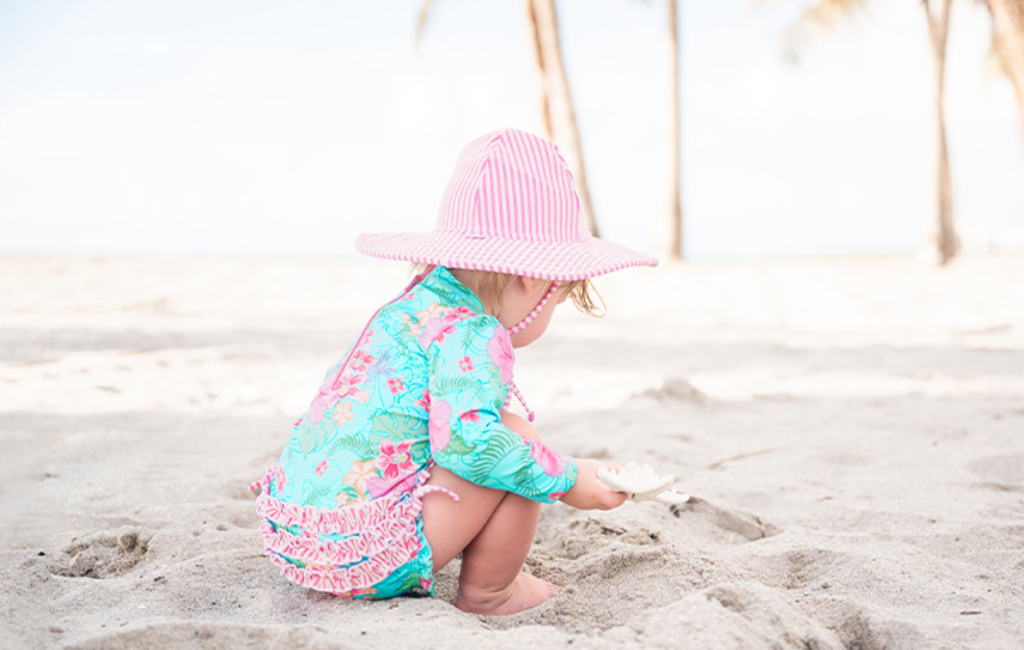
pixel 527 283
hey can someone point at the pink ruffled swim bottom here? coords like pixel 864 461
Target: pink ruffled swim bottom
pixel 374 549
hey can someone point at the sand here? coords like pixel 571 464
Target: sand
pixel 856 427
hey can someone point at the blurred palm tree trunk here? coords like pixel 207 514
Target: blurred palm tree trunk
pixel 556 100
pixel 1008 16
pixel 941 242
pixel 672 246
pixel 538 59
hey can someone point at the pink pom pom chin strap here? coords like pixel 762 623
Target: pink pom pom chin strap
pixel 513 390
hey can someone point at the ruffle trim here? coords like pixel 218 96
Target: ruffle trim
pixel 342 581
pixel 380 536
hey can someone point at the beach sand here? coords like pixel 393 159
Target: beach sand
pixel 856 427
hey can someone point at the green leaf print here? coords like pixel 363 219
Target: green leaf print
pixel 447 296
pixel 396 427
pixel 498 389
pixel 315 436
pixel 442 386
pixel 402 337
pixel 524 480
pixel 473 331
pixel 500 447
pixel 419 452
pixel 319 494
pixel 353 443
pixel 457 446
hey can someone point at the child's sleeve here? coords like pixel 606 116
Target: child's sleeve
pixel 470 366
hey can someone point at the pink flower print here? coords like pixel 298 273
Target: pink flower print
pixel 435 330
pixel 379 487
pixel 365 339
pixel 555 496
pixel 330 381
pixel 362 472
pixel 361 396
pixel 340 385
pixel 342 499
pixel 343 413
pixel 425 583
pixel 281 479
pixel 317 409
pixel 345 386
pixel 502 354
pixel 471 416
pixel 440 425
pixel 396 386
pixel 395 460
pixel 424 401
pixel 360 359
pixel 466 364
pixel 453 314
pixel 321 468
pixel 552 462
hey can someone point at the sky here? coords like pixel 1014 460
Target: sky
pixel 231 127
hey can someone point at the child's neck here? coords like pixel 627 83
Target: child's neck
pixel 463 277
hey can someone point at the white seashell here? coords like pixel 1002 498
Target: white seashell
pixel 641 483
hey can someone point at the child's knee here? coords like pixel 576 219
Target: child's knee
pixel 519 425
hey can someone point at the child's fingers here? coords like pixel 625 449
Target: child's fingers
pixel 612 499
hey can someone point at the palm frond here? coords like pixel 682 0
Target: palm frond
pixel 826 14
pixel 823 15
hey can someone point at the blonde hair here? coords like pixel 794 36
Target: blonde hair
pixel 490 287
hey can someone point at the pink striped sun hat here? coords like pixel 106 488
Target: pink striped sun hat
pixel 509 207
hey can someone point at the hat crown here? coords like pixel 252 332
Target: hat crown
pixel 510 184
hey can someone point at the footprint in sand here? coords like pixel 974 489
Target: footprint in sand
pixel 104 555
pixel 748 526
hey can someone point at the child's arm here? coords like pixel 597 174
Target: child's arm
pixel 589 493
pixel 469 371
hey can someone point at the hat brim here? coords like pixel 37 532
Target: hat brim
pixel 558 261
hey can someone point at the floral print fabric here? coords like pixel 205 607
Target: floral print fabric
pixel 423 384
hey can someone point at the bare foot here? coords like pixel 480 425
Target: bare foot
pixel 526 591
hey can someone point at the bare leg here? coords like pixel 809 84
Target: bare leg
pixel 494 531
pixel 491 580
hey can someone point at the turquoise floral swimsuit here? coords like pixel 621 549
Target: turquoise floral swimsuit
pixel 424 384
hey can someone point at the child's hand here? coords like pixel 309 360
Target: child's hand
pixel 589 493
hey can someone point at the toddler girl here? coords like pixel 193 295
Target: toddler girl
pixel 408 455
